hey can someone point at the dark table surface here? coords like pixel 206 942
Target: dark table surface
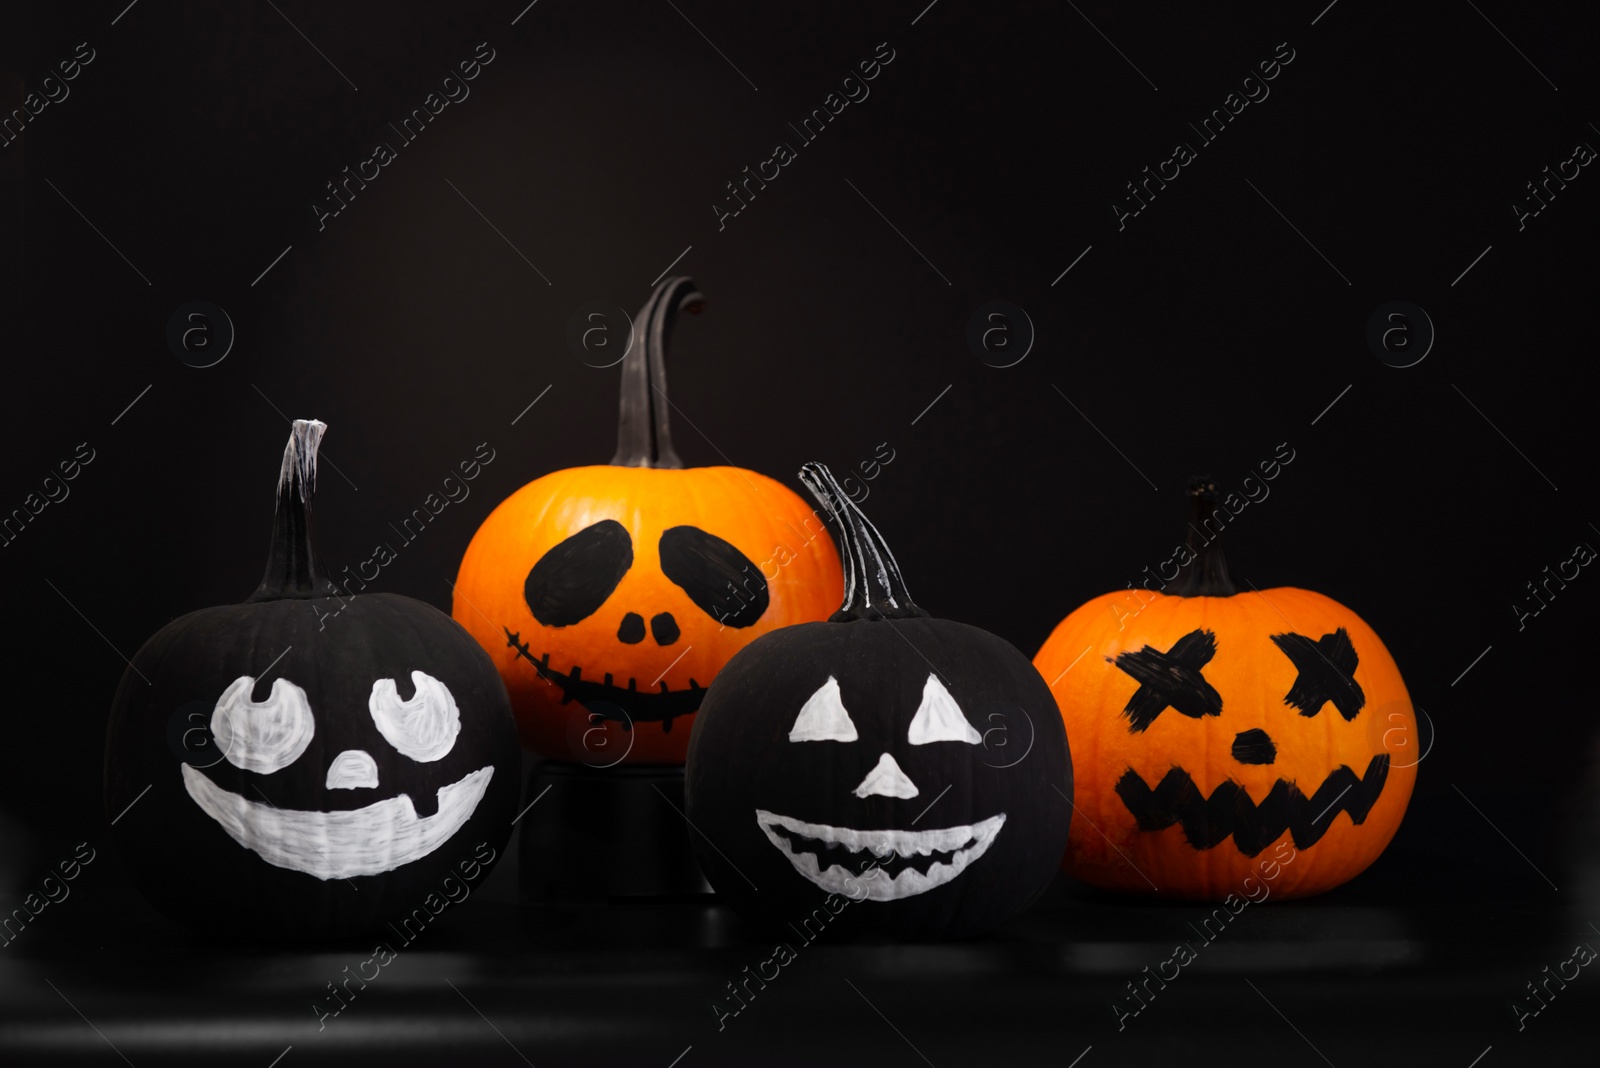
pixel 1386 970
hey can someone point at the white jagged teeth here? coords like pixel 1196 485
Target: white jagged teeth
pixel 965 844
pixel 946 840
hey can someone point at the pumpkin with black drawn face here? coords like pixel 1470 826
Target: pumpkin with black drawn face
pixel 309 765
pixel 883 771
pixel 1211 724
pixel 610 596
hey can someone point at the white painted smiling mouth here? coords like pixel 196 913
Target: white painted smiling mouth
pixel 955 847
pixel 340 844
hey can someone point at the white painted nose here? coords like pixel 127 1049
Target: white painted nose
pixel 886 780
pixel 352 769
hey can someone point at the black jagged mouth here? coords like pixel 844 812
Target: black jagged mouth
pixel 1229 811
pixel 878 865
pixel 604 700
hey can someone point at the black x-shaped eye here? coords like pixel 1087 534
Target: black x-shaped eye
pixel 1327 669
pixel 718 578
pixel 574 579
pixel 1171 680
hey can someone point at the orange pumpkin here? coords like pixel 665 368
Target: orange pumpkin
pixel 610 596
pixel 1210 725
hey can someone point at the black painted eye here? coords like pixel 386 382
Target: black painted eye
pixel 718 578
pixel 1327 667
pixel 1172 679
pixel 574 579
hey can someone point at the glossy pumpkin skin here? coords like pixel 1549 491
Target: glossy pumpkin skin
pixel 609 596
pixel 784 558
pixel 1253 676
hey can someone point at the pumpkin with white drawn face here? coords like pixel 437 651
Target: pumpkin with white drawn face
pixel 914 767
pixel 314 764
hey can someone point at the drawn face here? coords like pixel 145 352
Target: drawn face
pixel 917 768
pixel 1324 685
pixel 263 738
pixel 898 863
pixel 1214 729
pixel 610 597
pixel 574 587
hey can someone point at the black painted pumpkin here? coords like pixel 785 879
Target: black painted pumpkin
pixel 305 765
pixel 883 771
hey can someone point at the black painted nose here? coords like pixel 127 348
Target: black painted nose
pixel 665 628
pixel 632 629
pixel 1254 747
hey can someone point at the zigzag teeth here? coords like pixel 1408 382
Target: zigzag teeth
pixel 1229 810
pixel 964 844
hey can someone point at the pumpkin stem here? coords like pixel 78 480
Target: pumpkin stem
pixel 643 437
pixel 1206 573
pixel 292 568
pixel 873 587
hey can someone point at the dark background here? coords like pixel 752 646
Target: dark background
pixel 1197 339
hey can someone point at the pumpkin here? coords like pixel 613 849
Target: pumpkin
pixel 305 764
pixel 1210 724
pixel 610 596
pixel 882 771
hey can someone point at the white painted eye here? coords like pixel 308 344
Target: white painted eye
pixel 267 736
pixel 423 728
pixel 939 718
pixel 823 718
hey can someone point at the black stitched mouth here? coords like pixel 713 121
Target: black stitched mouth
pixel 625 705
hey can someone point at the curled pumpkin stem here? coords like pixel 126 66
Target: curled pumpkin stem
pixel 644 438
pixel 873 586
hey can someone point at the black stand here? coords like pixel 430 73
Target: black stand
pixel 594 835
